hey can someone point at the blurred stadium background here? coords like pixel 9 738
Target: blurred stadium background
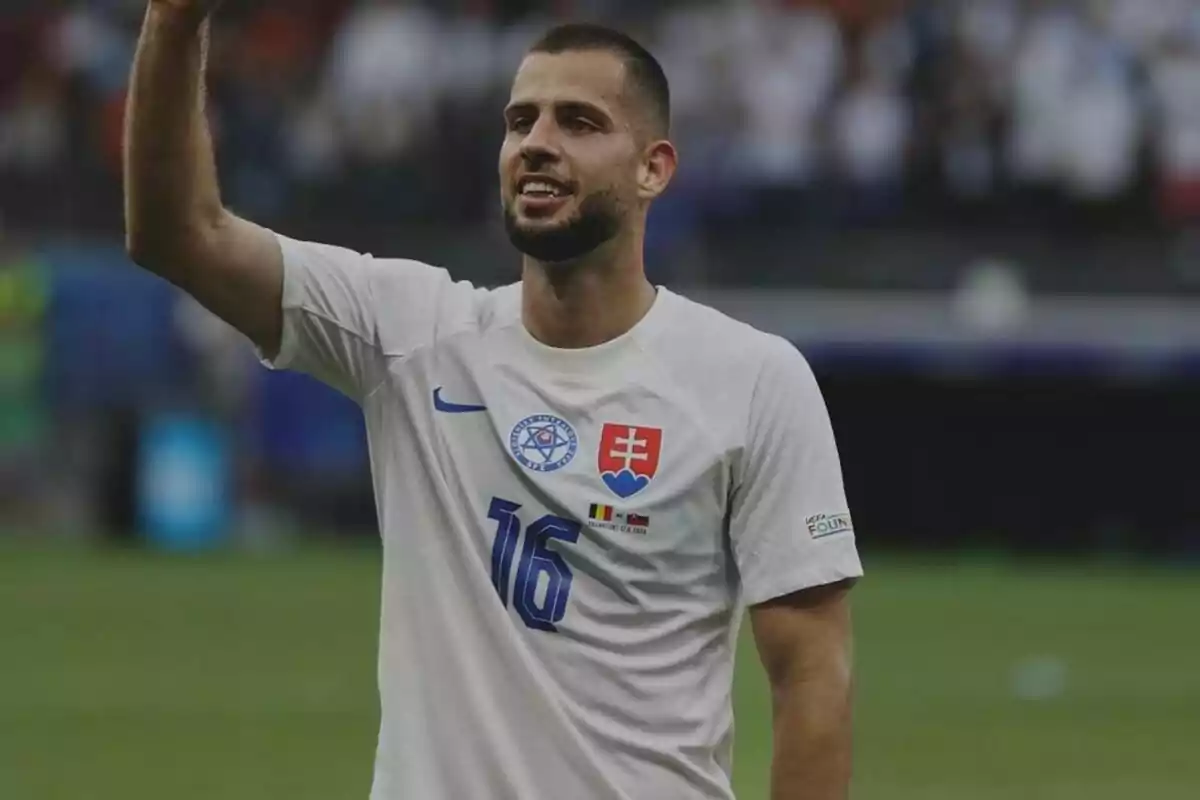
pixel 980 219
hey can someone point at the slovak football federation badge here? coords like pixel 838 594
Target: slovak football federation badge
pixel 628 457
pixel 543 443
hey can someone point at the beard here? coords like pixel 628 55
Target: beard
pixel 597 221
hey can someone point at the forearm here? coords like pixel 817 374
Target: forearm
pixel 172 197
pixel 813 737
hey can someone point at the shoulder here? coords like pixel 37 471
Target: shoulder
pixel 704 338
pixel 392 277
pixel 499 306
pixel 729 372
pixel 409 294
pixel 330 266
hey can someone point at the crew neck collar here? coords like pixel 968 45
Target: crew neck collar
pixel 584 359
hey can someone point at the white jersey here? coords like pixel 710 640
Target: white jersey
pixel 570 536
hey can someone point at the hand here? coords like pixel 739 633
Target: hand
pixel 195 10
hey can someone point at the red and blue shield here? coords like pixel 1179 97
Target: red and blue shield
pixel 628 457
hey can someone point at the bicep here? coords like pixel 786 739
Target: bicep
pixel 238 275
pixel 806 633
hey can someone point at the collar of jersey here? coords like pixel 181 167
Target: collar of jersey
pixel 601 356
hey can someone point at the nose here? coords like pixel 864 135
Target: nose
pixel 540 145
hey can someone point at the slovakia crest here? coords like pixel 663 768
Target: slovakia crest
pixel 628 457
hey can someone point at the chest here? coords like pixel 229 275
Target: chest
pixel 625 453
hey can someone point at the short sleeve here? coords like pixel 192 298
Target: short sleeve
pixel 346 313
pixel 790 526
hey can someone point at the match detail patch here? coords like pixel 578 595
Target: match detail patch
pixel 603 516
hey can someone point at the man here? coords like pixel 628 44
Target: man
pixel 582 479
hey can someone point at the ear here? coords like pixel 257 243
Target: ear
pixel 657 168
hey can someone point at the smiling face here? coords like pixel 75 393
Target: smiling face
pixel 576 167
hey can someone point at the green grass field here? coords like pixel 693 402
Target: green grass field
pixel 236 677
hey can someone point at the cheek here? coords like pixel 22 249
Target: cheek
pixel 507 163
pixel 606 174
pixel 625 185
pixel 623 172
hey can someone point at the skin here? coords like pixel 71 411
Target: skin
pixel 175 223
pixel 804 642
pixel 571 116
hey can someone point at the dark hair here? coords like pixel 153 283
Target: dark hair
pixel 642 68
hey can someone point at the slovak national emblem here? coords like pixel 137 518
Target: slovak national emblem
pixel 628 457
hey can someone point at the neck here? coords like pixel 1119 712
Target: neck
pixel 586 302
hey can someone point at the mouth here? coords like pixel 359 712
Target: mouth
pixel 541 194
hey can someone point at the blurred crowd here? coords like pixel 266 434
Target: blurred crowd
pixel 842 112
pixel 345 120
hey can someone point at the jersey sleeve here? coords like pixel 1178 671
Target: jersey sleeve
pixel 790 526
pixel 346 313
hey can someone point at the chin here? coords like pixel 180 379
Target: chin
pixel 541 225
pixel 566 236
pixel 560 216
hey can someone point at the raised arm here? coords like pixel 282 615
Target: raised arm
pixel 176 224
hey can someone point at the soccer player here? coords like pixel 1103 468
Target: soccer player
pixel 583 480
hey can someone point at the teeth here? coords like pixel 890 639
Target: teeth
pixel 540 187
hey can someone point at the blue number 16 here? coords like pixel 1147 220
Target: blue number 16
pixel 536 559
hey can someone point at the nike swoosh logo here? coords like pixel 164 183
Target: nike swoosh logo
pixel 453 408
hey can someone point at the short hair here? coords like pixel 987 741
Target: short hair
pixel 642 69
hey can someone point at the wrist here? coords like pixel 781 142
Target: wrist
pixel 186 21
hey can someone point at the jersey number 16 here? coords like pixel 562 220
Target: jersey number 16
pixel 536 560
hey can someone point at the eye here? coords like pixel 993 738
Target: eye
pixel 580 125
pixel 520 123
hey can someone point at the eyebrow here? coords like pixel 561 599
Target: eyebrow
pixel 577 106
